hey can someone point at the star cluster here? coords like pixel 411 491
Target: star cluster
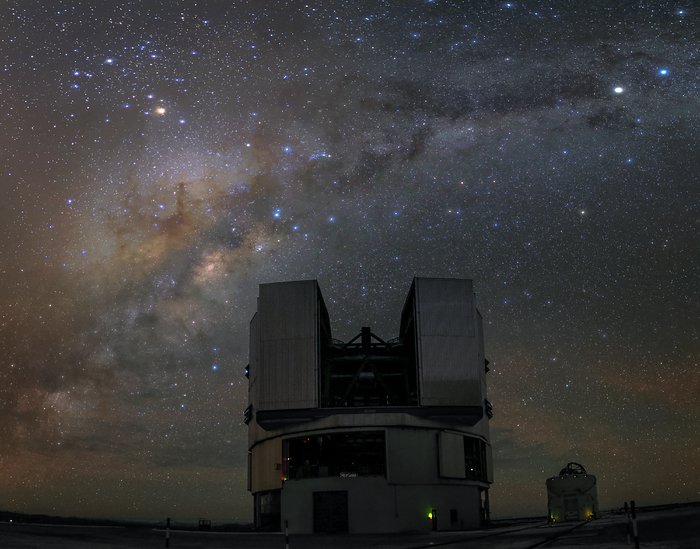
pixel 159 160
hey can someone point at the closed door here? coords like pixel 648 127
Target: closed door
pixel 331 512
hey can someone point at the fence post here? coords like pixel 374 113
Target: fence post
pixel 167 533
pixel 635 532
pixel 286 534
pixel 627 524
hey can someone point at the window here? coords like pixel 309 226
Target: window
pixel 475 459
pixel 349 454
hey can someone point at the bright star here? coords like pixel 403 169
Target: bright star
pixel 663 72
pixel 160 110
pixel 618 89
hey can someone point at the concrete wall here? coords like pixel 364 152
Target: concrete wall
pixel 370 503
pixel 375 506
pixel 416 501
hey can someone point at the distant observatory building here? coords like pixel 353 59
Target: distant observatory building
pixel 370 435
pixel 573 495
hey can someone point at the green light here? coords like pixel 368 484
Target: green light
pixel 430 515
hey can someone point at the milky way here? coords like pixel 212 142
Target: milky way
pixel 159 160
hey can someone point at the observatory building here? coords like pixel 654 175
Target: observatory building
pixel 573 495
pixel 369 435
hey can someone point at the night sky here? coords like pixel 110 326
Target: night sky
pixel 159 160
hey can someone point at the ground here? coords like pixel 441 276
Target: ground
pixel 672 528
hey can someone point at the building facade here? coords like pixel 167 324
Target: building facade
pixel 370 435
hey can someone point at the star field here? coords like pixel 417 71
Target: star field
pixel 159 160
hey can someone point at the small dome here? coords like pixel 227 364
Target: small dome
pixel 573 468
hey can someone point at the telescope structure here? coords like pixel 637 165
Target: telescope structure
pixel 572 495
pixel 369 435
